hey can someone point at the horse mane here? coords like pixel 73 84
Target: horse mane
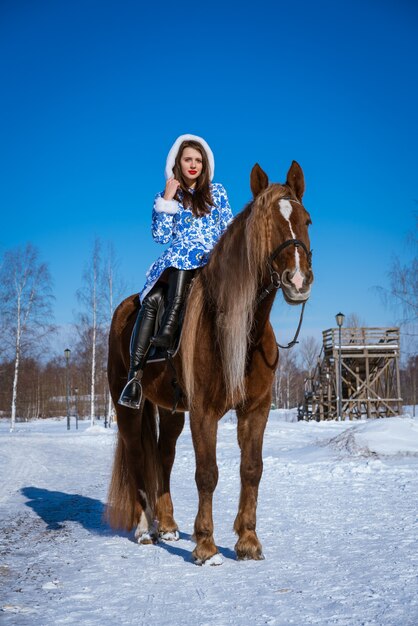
pixel 227 288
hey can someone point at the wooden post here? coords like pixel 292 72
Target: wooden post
pixel 337 382
pixel 357 389
pixel 367 385
pixel 398 385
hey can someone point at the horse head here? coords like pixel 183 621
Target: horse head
pixel 285 224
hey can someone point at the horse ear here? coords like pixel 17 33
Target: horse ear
pixel 296 180
pixel 258 180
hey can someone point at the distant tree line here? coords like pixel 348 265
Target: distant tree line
pixel 401 295
pixel 33 385
pixel 42 388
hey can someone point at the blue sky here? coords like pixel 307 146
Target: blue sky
pixel 95 92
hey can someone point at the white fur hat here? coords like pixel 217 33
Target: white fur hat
pixel 175 148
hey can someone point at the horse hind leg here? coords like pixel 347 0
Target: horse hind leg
pixel 251 426
pixel 171 426
pixel 146 531
pixel 135 475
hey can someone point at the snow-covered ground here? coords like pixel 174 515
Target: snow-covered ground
pixel 337 517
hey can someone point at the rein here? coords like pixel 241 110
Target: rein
pixel 275 282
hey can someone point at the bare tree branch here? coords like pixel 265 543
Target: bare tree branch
pixel 25 308
pixel 402 293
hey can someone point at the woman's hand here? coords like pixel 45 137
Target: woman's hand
pixel 171 187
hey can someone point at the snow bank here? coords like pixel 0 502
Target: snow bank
pixel 393 436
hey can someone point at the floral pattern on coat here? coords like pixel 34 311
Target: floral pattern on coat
pixel 192 238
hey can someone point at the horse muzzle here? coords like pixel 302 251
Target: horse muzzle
pixel 296 286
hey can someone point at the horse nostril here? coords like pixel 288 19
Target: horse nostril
pixel 308 277
pixel 286 277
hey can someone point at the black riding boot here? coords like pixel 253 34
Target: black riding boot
pixel 178 282
pixel 140 339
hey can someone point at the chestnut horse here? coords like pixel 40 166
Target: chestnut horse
pixel 227 359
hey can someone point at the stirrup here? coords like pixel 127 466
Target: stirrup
pixel 130 403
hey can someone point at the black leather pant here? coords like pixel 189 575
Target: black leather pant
pixel 178 283
pixel 144 328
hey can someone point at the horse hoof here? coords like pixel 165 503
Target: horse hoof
pixel 248 548
pixel 146 538
pixel 172 535
pixel 216 559
pixel 259 556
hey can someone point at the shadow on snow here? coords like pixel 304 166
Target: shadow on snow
pixel 172 548
pixel 56 508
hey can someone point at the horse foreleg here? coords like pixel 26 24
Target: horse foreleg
pixel 251 426
pixel 204 430
pixel 171 426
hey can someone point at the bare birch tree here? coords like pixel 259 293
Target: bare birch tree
pixel 402 293
pixel 90 297
pixel 404 290
pixel 26 307
pixel 287 384
pixel 113 288
pixel 309 351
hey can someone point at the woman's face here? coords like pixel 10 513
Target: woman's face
pixel 191 164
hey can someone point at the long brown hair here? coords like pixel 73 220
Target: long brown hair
pixel 200 202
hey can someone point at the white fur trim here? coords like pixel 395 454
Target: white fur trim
pixel 175 148
pixel 166 206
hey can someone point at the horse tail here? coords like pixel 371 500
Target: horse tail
pixel 136 470
pixel 151 467
pixel 121 498
pixel 190 335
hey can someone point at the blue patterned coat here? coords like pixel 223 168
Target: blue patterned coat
pixel 191 238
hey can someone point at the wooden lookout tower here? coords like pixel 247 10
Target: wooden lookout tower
pixel 369 373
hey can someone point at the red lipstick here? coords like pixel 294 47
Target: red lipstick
pixel 192 171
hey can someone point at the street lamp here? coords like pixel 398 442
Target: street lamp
pixel 67 353
pixel 340 321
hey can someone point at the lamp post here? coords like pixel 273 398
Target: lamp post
pixel 67 353
pixel 76 407
pixel 340 321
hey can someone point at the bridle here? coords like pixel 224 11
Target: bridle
pixel 275 281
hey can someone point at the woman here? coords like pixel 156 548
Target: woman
pixel 193 213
